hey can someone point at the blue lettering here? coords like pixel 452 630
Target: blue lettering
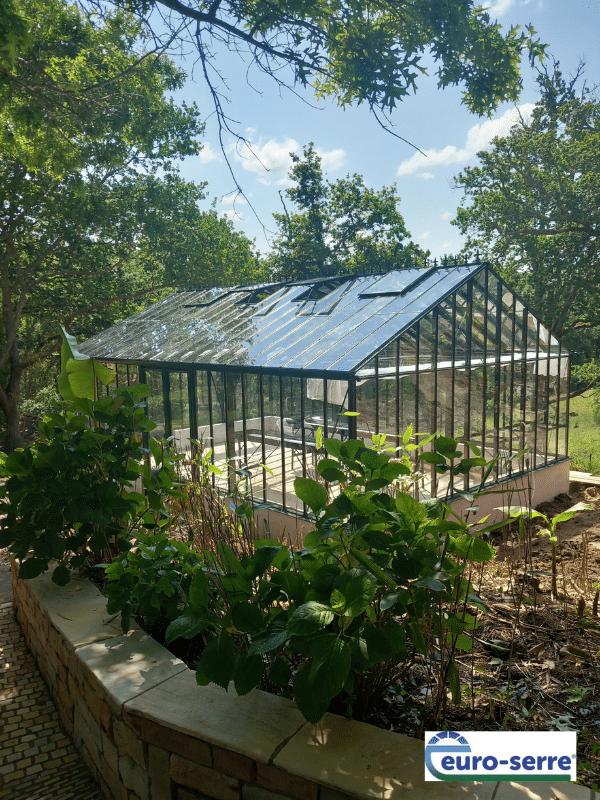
pixel 489 762
pixel 551 760
pixel 476 760
pixel 564 762
pixel 459 764
pixel 540 761
pixel 529 762
pixel 515 763
pixel 448 762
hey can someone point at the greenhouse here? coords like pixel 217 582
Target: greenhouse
pixel 254 372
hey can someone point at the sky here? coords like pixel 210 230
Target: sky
pixel 350 141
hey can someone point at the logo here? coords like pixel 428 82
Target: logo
pixel 500 756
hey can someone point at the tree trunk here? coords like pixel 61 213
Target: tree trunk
pixel 9 406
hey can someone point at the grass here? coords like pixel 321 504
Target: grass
pixel 584 435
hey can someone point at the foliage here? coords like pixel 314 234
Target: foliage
pixel 340 227
pixel 354 51
pixel 71 492
pixel 548 528
pixel 532 205
pixel 95 213
pixel 382 574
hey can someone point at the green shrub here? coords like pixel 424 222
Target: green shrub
pixel 381 576
pixel 71 493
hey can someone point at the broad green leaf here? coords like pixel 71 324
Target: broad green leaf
pixel 472 548
pixel 32 567
pixel 309 618
pixel 247 618
pixel 185 627
pixel 354 590
pixel 311 493
pixel 274 637
pixel 248 672
pixel 61 575
pixel 463 642
pixel 330 665
pixel 198 595
pixel 281 673
pixel 313 704
pixel 217 662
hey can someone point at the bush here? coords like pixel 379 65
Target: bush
pixel 382 576
pixel 71 493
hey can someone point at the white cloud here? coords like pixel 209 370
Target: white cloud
pixel 426 176
pixel 208 155
pixel 233 199
pixel 232 214
pixel 447 216
pixel 500 7
pixel 478 138
pixel 271 161
pixel 425 235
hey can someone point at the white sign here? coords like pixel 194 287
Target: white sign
pixel 501 756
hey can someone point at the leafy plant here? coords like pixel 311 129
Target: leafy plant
pixel 380 577
pixel 71 493
pixel 549 529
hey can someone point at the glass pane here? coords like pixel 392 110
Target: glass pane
pixel 155 402
pixel 180 410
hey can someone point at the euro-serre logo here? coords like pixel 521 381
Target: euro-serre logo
pixel 501 756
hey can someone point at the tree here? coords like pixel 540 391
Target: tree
pixel 93 211
pixel 358 51
pixel 340 227
pixel 531 204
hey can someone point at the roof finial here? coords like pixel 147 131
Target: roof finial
pixel 445 261
pixel 477 256
pixel 435 262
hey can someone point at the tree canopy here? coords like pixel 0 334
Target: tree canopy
pixel 357 51
pixel 339 227
pixel 531 204
pixel 93 210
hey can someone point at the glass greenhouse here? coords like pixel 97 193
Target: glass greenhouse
pixel 254 371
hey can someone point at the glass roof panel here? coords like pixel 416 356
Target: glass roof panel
pixel 335 324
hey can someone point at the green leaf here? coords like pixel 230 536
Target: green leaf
pixel 472 548
pixel 311 493
pixel 185 627
pixel 454 683
pixel 217 662
pixel 248 672
pixel 354 590
pixel 61 575
pixel 330 665
pixel 275 636
pixel 281 673
pixel 32 567
pixel 463 642
pixel 309 618
pixel 330 471
pixel 312 703
pixel 198 596
pixel 247 618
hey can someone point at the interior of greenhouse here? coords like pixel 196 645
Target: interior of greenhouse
pixel 257 374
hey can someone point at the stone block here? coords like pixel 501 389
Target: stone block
pixel 134 777
pixel 110 753
pixel 542 790
pixel 278 780
pixel 159 769
pixel 204 780
pixel 128 742
pixel 187 746
pixel 250 792
pixel 255 725
pixel 234 764
pixel 86 730
pixel 98 708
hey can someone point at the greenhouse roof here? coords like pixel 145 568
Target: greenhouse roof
pixel 329 324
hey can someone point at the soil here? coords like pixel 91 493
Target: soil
pixel 535 664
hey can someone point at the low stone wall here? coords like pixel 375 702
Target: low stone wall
pixel 147 732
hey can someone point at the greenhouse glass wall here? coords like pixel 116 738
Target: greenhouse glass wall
pixel 254 372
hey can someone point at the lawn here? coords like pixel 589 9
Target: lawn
pixel 584 435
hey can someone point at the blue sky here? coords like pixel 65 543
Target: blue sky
pixel 350 141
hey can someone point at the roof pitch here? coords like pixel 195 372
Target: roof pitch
pixel 332 325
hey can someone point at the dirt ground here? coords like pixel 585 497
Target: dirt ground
pixel 535 664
